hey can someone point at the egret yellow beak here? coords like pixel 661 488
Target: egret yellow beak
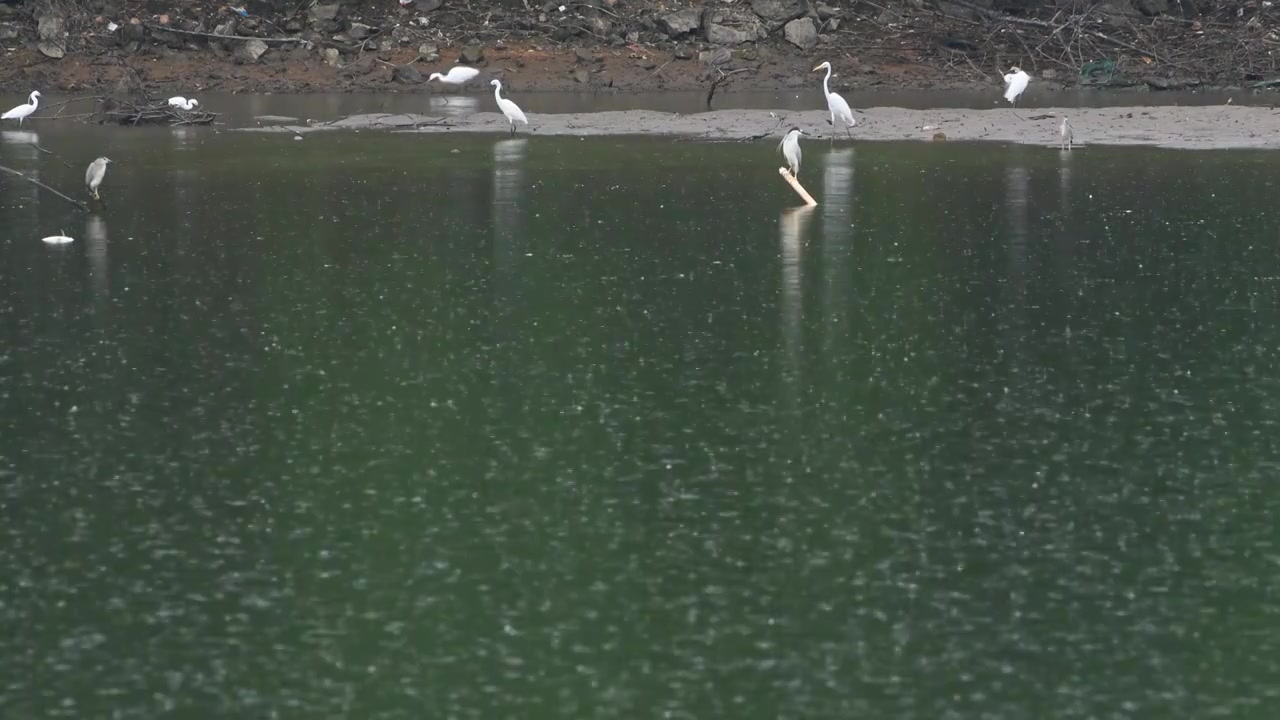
pixel 817 68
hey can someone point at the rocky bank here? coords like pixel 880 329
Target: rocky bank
pixel 188 46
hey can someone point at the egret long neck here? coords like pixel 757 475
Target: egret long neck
pixel 34 99
pixel 497 92
pixel 826 90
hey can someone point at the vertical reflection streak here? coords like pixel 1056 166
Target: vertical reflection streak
pixel 508 229
pixel 791 229
pixel 95 234
pixel 837 243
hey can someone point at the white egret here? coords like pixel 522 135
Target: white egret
pixel 62 239
pixel 836 104
pixel 790 147
pixel 1065 135
pixel 1016 82
pixel 511 110
pixel 22 111
pixel 458 75
pixel 182 103
pixel 93 176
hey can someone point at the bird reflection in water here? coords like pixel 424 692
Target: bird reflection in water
pixel 837 241
pixel 452 106
pixel 95 235
pixel 791 228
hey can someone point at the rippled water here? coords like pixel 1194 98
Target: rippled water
pixel 381 426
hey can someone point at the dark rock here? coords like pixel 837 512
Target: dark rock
pixel 584 56
pixel 1158 83
pixel 646 64
pixel 8 32
pixel 826 12
pixel 581 76
pixel 801 33
pixel 716 56
pixel 681 22
pixel 359 31
pixel 167 38
pixel 562 33
pixel 323 13
pixel 1152 7
pixel 833 24
pixel 725 35
pixel 428 5
pixel 472 54
pixel 734 27
pixel 866 69
pixel 682 52
pixel 293 25
pixel 251 50
pixel 778 12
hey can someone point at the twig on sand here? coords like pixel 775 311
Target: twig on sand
pixel 723 76
pixel 33 181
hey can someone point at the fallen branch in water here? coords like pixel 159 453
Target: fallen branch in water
pixel 33 181
pixel 723 76
pixel 50 152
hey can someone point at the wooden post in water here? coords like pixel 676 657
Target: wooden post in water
pixel 795 185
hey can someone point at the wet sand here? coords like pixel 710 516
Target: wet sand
pixel 1200 128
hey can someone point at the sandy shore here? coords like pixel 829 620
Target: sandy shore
pixel 1216 127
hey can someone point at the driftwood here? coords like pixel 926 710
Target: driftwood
pixel 33 181
pixel 160 112
pixel 215 36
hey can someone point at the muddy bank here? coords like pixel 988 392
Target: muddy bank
pixel 1199 128
pixel 160 48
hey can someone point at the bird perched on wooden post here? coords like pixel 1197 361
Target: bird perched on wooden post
pixel 790 147
pixel 1065 135
pixel 94 175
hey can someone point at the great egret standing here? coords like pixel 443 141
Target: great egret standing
pixel 93 176
pixel 183 103
pixel 22 111
pixel 511 110
pixel 1016 82
pixel 1065 135
pixel 790 147
pixel 836 104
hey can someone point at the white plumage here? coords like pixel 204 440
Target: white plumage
pixel 1016 81
pixel 62 239
pixel 790 147
pixel 458 75
pixel 836 104
pixel 183 103
pixel 1065 135
pixel 94 175
pixel 511 110
pixel 22 111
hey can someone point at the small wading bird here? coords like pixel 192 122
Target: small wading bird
pixel 1065 136
pixel 183 103
pixel 836 104
pixel 93 176
pixel 22 111
pixel 511 110
pixel 457 75
pixel 1015 82
pixel 790 147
